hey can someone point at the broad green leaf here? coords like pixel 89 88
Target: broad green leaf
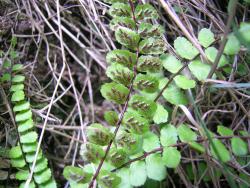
pixel 171 157
pixel 232 46
pixel 26 125
pixel 18 79
pixel 150 141
pixel 174 95
pixel 30 157
pixel 161 115
pixel 16 87
pixel 13 54
pixel 24 115
pixel 239 146
pixel 18 163
pixel 42 177
pixel 76 174
pixel 52 184
pixel 15 152
pixel 152 46
pixel 211 54
pixel 24 105
pixel 122 22
pixel 170 63
pixel 91 152
pixel 115 92
pixel 196 146
pixel 138 173
pixel 29 137
pixel 186 134
pixel 219 151
pixel 27 148
pixel 6 77
pixel 145 11
pixel 147 30
pixel 115 1
pixel 168 135
pixel 244 32
pixel 120 74
pixel 111 117
pixel 224 131
pixel 199 70
pixel 22 175
pixel 124 175
pixel 107 179
pixel 18 96
pixel 149 64
pixel 127 37
pixel 185 49
pixel 6 64
pixel 41 165
pixel 135 122
pixel 31 185
pixel 155 167
pixel 183 82
pixel 117 157
pixel 206 37
pixel 130 142
pixel 17 67
pixel 146 82
pixel 98 134
pixel 120 10
pixel 144 106
pixel 123 57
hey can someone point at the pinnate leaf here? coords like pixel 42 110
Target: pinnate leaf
pixel 76 174
pixel 170 63
pixel 150 141
pixel 149 64
pixel 114 92
pixel 199 70
pixel 127 37
pixel 186 134
pixel 239 146
pixel 138 173
pixel 152 46
pixel 18 96
pixel 120 10
pixel 146 82
pixel 147 30
pixel 155 167
pixel 232 46
pixel 174 95
pixel 183 82
pixel 122 22
pixel 224 131
pixel 185 49
pixel 29 137
pixel 120 74
pixel 168 135
pixel 98 134
pixel 171 157
pixel 219 151
pixel 206 37
pixel 211 54
pixel 145 11
pixel 18 79
pixel 111 117
pixel 123 57
pixel 161 115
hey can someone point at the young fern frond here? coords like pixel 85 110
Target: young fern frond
pixel 28 137
pixel 137 80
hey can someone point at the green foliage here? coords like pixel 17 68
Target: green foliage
pixel 199 69
pixel 185 49
pixel 150 141
pixel 127 37
pixel 76 175
pixel 149 64
pixel 145 11
pixel 145 82
pixel 168 135
pixel 120 10
pixel 28 137
pixel 161 115
pixel 115 92
pixel 152 46
pixel 171 157
pixel 170 63
pixel 206 37
pixel 111 117
pixel 138 173
pixel 98 134
pixel 211 54
pixel 183 82
pixel 186 134
pixel 219 151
